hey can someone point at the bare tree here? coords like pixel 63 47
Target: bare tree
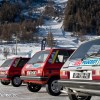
pixel 50 39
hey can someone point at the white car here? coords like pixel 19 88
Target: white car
pixel 80 75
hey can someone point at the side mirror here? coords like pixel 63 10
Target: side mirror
pixel 14 65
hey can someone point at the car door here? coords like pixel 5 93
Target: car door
pixel 18 65
pixel 55 62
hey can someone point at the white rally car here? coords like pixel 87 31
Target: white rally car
pixel 80 75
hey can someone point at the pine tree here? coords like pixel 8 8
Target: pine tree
pixel 82 16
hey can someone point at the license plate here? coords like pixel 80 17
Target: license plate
pixel 31 72
pixel 86 75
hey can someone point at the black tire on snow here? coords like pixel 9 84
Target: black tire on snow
pixel 73 96
pixel 16 81
pixel 5 82
pixel 53 89
pixel 33 87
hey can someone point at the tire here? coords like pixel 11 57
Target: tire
pixel 53 88
pixel 33 87
pixel 16 81
pixel 73 96
pixel 5 82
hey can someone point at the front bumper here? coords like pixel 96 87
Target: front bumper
pixel 4 77
pixel 25 78
pixel 85 86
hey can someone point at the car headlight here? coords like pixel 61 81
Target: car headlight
pixel 23 72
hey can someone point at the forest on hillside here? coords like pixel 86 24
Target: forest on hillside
pixel 82 17
pixel 24 19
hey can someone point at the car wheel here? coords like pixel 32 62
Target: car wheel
pixel 74 96
pixel 16 81
pixel 53 88
pixel 33 87
pixel 5 82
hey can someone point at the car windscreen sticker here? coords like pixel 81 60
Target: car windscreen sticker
pixel 4 68
pixel 73 63
pixel 92 61
pixel 36 65
pixel 28 66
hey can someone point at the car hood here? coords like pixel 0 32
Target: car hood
pixel 33 66
pixel 4 68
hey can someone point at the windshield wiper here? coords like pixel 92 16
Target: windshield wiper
pixel 86 56
pixel 93 55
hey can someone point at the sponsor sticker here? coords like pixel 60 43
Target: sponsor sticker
pixel 89 62
pixel 28 66
pixel 86 62
pixel 77 63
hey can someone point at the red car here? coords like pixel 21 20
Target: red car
pixel 44 69
pixel 10 70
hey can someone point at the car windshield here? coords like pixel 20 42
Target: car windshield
pixel 88 49
pixel 7 63
pixel 39 57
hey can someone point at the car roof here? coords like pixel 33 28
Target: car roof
pixel 92 40
pixel 18 57
pixel 59 49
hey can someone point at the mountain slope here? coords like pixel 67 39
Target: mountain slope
pixel 82 16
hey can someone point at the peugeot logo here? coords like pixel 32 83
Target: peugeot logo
pixel 79 67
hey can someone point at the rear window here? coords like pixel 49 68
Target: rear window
pixel 87 49
pixel 22 62
pixel 7 63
